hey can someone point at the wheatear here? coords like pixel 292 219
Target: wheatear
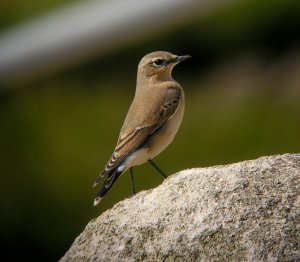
pixel 152 121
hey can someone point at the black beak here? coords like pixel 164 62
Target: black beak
pixel 182 58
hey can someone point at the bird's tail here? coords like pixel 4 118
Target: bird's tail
pixel 110 180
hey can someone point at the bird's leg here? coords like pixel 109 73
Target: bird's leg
pixel 132 182
pixel 157 168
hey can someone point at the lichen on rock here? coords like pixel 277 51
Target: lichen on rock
pixel 248 211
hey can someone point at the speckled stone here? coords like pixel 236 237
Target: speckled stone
pixel 248 211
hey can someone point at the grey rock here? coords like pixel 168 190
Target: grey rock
pixel 248 211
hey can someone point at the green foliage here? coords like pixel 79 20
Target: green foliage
pixel 15 11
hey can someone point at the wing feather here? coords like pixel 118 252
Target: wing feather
pixel 130 140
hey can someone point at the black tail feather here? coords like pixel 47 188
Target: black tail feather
pixel 111 179
pixel 103 174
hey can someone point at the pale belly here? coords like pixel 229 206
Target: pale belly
pixel 158 142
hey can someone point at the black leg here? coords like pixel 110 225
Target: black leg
pixel 132 182
pixel 157 168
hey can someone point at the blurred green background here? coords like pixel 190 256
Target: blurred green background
pixel 57 132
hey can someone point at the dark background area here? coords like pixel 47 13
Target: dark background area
pixel 57 131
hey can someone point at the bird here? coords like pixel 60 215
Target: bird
pixel 152 121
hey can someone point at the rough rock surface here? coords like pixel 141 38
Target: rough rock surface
pixel 248 211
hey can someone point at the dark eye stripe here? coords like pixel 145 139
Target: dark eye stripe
pixel 158 62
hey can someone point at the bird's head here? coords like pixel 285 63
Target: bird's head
pixel 158 65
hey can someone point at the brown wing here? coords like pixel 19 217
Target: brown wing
pixel 130 141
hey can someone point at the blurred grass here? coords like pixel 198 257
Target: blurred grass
pixel 242 94
pixel 13 12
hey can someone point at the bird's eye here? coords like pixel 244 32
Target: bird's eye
pixel 158 62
